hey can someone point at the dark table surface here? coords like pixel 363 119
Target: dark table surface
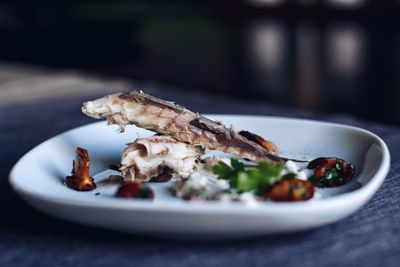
pixel 370 237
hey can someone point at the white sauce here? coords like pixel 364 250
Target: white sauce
pixel 249 199
pixel 202 185
pixel 291 167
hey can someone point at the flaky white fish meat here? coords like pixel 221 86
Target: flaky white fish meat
pixel 158 155
pixel 167 118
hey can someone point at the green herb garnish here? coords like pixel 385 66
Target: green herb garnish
pixel 256 179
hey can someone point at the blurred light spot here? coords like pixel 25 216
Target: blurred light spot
pixel 345 3
pixel 267 43
pixel 267 54
pixel 345 48
pixel 265 2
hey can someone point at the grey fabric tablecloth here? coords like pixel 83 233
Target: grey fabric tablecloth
pixel 370 237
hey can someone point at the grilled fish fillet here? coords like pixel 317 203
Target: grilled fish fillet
pixel 167 118
pixel 149 157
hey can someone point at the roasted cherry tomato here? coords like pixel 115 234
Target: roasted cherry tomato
pixel 135 190
pixel 290 190
pixel 331 172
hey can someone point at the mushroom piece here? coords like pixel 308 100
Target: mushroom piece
pixel 80 179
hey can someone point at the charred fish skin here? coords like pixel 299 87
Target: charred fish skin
pixel 168 118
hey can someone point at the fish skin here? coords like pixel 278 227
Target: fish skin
pixel 168 118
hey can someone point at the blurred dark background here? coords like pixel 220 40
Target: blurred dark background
pixel 334 55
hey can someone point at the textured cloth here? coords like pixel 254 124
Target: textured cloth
pixel 370 237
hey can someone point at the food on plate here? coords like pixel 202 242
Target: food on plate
pixel 235 181
pixel 331 172
pixel 291 189
pixel 268 145
pixel 135 190
pixel 254 179
pixel 200 186
pixel 209 162
pixel 165 176
pixel 80 178
pixel 268 180
pixel 179 154
pixel 156 156
pixel 167 118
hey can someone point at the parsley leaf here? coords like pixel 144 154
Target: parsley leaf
pixel 252 179
pixel 223 170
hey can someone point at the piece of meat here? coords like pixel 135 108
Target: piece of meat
pixel 167 118
pixel 154 156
